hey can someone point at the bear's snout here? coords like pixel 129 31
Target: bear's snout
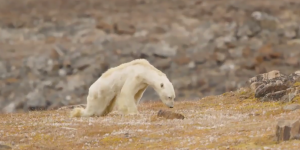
pixel 170 106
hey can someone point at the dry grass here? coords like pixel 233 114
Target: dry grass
pixel 228 121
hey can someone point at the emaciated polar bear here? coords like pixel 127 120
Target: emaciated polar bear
pixel 123 86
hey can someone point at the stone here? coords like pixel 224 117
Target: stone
pixel 219 57
pixel 223 42
pixel 244 31
pixel 292 61
pixel 169 115
pixel 265 50
pixel 255 85
pixel 273 96
pixel 69 107
pixel 182 60
pixel 62 72
pixel 163 63
pixel 105 26
pixel 189 22
pixel 75 82
pixel 260 69
pixel 164 50
pixel 291 107
pixel 10 108
pixel 290 33
pixel 3 69
pixel 158 49
pixel 122 28
pixel 36 100
pixel 228 65
pixel 38 64
pixel 248 64
pixel 287 130
pixel 236 52
pixel 4 147
pixel 199 58
pixel 265 76
pixel 294 41
pixel 191 65
pixel 82 63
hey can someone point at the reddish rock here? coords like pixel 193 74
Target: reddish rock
pixel 219 57
pixel 265 50
pixel 108 28
pixel 169 115
pixel 122 28
pixel 247 52
pixel 260 69
pixel 275 55
pixel 11 80
pixel 259 59
pixel 292 61
pixel 182 60
pixel 249 64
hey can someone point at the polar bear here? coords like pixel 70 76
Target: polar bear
pixel 123 86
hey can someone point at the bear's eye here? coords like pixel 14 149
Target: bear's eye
pixel 170 97
pixel 161 85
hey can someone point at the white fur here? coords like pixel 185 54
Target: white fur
pixel 123 86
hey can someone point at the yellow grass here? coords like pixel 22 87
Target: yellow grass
pixel 229 121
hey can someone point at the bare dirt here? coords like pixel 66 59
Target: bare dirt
pixel 227 121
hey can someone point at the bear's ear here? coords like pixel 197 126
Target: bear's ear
pixel 161 85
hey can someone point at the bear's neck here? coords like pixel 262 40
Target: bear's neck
pixel 151 78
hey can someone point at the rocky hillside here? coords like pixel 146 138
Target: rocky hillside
pixel 51 51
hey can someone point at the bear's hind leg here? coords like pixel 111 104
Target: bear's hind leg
pixel 90 109
pixel 110 107
pixel 97 105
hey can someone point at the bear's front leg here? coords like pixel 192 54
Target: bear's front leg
pixel 126 102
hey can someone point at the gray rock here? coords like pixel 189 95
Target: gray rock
pixel 62 72
pixel 38 64
pixel 244 31
pixel 287 130
pixel 35 100
pixel 255 43
pixel 3 69
pixel 10 108
pixel 4 147
pixel 291 107
pixel 161 49
pixel 163 63
pixel 75 82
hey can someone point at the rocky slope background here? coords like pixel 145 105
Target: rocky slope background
pixel 51 51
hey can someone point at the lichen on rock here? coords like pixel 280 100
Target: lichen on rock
pixel 274 86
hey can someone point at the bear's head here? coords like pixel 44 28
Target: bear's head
pixel 166 92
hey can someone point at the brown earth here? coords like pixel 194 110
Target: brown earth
pixel 233 120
